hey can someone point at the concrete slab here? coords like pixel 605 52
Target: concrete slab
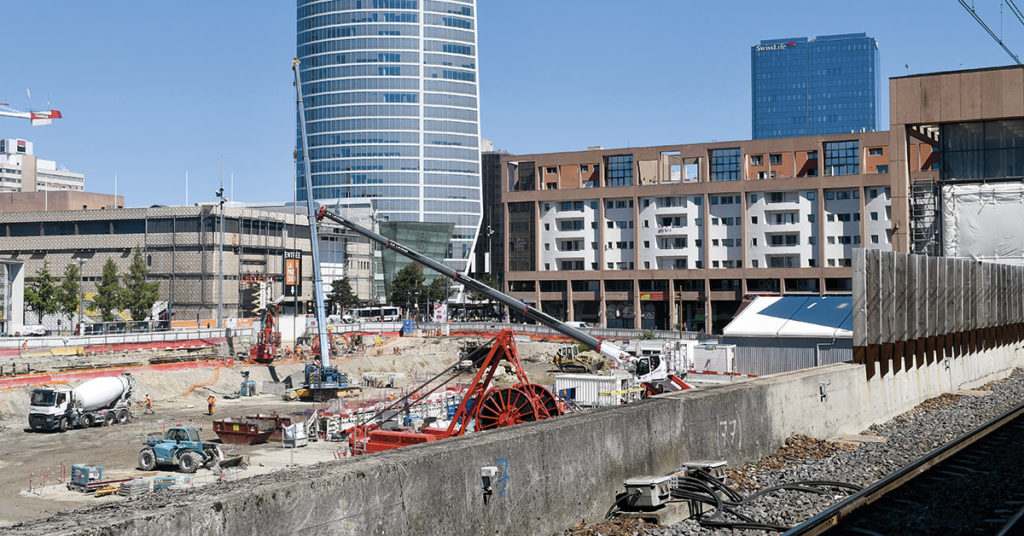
pixel 668 514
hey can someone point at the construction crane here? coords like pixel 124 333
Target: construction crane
pixel 43 117
pixel 322 380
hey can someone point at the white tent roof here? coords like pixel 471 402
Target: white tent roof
pixel 794 316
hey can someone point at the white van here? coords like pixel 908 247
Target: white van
pixel 578 325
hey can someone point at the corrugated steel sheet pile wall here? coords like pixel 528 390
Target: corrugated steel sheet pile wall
pixel 913 309
pixel 768 356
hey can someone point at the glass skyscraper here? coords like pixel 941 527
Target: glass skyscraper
pixel 806 87
pixel 391 98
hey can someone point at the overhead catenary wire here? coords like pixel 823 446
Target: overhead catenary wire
pixel 990 32
pixel 1016 10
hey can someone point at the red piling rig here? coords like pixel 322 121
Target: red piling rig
pixel 268 340
pixel 487 407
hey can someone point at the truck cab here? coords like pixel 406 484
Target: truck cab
pixel 49 409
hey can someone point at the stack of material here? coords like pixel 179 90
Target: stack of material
pixel 134 488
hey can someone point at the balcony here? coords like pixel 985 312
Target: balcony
pixel 665 230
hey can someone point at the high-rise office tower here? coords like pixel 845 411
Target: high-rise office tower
pixel 808 87
pixel 391 98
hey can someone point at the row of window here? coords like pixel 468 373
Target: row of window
pixel 359 43
pixel 449 34
pixel 351 71
pixel 363 138
pixel 449 113
pixel 155 225
pixel 309 8
pixel 362 110
pixel 435 125
pixel 358 30
pixel 445 86
pixel 332 19
pixel 312 89
pixel 357 164
pixel 354 151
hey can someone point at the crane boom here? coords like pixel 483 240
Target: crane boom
pixel 43 117
pixel 604 348
pixel 318 284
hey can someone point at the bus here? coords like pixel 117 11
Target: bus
pixel 375 314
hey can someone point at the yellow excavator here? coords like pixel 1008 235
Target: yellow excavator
pixel 569 358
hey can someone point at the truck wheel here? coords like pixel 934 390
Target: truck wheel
pixel 122 417
pixel 188 462
pixel 147 459
pixel 86 421
pixel 62 426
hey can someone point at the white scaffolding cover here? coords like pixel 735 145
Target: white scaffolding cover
pixel 984 221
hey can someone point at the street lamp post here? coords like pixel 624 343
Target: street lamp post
pixel 220 253
pixel 81 294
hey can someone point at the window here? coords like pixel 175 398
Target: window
pixel 812 155
pixel 775 159
pixel 753 198
pixel 757 160
pixel 809 196
pixel 831 217
pixel 830 195
pixel 698 242
pixel 753 241
pixel 552 170
pixel 584 168
pixel 753 263
pixel 874 239
pixel 874 216
pixel 810 218
pixel 753 220
pixel 842 194
pixel 725 164
pixel 882 169
pixel 842 158
pixel 831 240
pixel 620 170
pixel 875 151
pixel 698 200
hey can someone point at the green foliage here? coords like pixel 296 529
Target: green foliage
pixel 406 286
pixel 139 295
pixel 109 294
pixel 437 290
pixel 67 297
pixel 41 294
pixel 647 334
pixel 342 296
pixel 487 279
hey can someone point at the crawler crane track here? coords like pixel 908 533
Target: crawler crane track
pixel 972 485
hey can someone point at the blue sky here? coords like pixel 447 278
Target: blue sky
pixel 150 90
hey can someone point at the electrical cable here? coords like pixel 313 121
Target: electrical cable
pixel 702 487
pixel 989 30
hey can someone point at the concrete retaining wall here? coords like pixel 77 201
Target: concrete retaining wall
pixel 551 474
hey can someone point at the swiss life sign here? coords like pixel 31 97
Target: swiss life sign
pixel 775 46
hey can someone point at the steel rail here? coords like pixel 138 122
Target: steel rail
pixel 833 515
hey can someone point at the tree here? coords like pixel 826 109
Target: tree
pixel 487 279
pixel 67 298
pixel 109 294
pixel 42 293
pixel 437 290
pixel 406 286
pixel 139 295
pixel 341 294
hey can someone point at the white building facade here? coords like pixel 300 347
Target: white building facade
pixel 22 171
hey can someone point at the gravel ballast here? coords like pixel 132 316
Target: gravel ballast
pixel 908 437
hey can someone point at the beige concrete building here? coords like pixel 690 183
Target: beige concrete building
pixel 22 171
pixel 180 248
pixel 58 200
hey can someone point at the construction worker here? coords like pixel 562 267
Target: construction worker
pixel 149 405
pixel 211 403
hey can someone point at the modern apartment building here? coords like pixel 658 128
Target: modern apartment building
pixel 22 171
pixel 653 237
pixel 806 87
pixel 391 99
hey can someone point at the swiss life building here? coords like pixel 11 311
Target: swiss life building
pixel 808 87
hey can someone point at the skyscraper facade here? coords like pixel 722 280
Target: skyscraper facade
pixel 808 87
pixel 391 98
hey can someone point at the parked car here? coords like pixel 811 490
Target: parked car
pixel 34 330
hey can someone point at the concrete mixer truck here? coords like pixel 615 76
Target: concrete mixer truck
pixel 98 401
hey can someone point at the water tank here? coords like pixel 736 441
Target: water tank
pixel 99 393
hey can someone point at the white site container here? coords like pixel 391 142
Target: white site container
pixel 619 388
pixel 714 357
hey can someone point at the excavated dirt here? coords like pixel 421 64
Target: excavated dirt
pixel 25 455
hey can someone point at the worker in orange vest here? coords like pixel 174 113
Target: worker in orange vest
pixel 211 403
pixel 149 404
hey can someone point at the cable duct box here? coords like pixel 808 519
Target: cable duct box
pixel 650 491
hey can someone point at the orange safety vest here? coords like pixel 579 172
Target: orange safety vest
pixel 211 401
pixel 149 401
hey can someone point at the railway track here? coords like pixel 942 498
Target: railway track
pixel 972 485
